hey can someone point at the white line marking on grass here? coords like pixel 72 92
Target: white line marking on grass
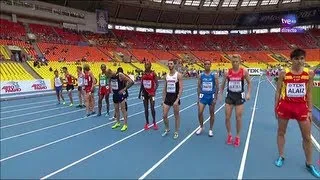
pixel 314 141
pixel 246 147
pixel 175 148
pixel 105 148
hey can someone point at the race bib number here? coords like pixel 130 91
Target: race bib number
pixel 114 85
pixel 171 87
pixel 235 86
pixel 147 84
pixel 102 82
pixel 296 89
pixel 86 82
pixel 207 86
pixel 200 96
pixel 243 95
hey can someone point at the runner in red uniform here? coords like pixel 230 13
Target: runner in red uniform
pixel 70 85
pixel 293 101
pixel 149 85
pixel 235 96
pixel 89 83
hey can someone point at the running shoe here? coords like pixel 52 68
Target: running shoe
pixel 166 132
pixel 146 126
pixel 124 127
pixel 64 103
pixel 237 142
pixel 279 161
pixel 229 139
pixel 199 131
pixel 71 104
pixel 210 133
pixel 116 125
pixel 155 126
pixel 313 170
pixel 175 135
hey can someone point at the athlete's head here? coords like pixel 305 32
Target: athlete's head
pixel 207 65
pixel 235 61
pixel 147 65
pixel 56 73
pixel 119 70
pixel 171 64
pixel 64 69
pixel 297 57
pixel 79 69
pixel 103 67
pixel 86 67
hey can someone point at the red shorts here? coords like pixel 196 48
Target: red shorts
pixel 289 110
pixel 104 91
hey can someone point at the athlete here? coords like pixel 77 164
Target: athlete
pixel 208 88
pixel 119 84
pixel 58 86
pixel 236 97
pixel 172 92
pixel 81 92
pixel 127 94
pixel 89 83
pixel 70 86
pixel 104 89
pixel 148 88
pixel 293 101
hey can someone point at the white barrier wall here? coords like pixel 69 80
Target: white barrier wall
pixel 9 87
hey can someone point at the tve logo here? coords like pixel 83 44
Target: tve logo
pixel 289 20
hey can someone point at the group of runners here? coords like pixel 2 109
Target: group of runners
pixel 292 98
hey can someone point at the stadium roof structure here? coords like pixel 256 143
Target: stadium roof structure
pixel 197 14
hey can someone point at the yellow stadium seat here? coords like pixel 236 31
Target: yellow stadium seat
pixel 13 71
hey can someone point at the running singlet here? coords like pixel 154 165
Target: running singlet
pixel 103 81
pixel 116 84
pixel 172 84
pixel 235 81
pixel 294 87
pixel 80 79
pixel 208 83
pixel 69 79
pixel 149 83
pixel 57 82
pixel 87 82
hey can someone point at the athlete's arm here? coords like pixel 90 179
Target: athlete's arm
pixel 217 85
pixel 180 86
pixel 279 87
pixel 309 91
pixel 223 83
pixel 156 81
pixel 127 79
pixel 246 76
pixel 164 92
pixel 139 96
pixel 199 87
pixel 93 81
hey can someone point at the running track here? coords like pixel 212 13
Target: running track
pixel 40 139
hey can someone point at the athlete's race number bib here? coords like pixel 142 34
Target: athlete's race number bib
pixel 114 85
pixel 103 82
pixel 207 86
pixel 171 87
pixel 80 81
pixel 235 86
pixel 147 84
pixel 86 82
pixel 296 89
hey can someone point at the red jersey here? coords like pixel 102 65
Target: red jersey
pixel 294 87
pixel 69 79
pixel 235 80
pixel 148 81
pixel 87 82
